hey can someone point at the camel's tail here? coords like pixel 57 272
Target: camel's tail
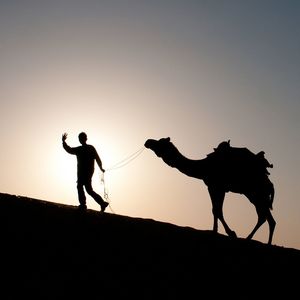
pixel 272 194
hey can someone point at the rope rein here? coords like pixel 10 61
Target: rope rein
pixel 105 192
pixel 126 160
pixel 118 165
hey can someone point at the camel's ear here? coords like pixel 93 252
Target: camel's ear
pixel 167 139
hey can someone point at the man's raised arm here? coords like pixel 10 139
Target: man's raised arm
pixel 65 145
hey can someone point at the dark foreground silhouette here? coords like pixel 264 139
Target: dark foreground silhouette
pixel 53 251
pixel 227 169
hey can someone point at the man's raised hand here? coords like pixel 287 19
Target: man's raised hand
pixel 64 136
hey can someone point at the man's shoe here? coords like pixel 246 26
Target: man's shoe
pixel 103 206
pixel 82 207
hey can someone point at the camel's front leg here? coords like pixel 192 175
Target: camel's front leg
pixel 215 227
pixel 217 198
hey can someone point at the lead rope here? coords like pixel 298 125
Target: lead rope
pixel 118 165
pixel 126 160
pixel 105 192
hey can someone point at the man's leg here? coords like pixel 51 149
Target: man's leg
pixel 88 187
pixel 81 196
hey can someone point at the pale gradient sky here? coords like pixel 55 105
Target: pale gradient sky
pixel 124 71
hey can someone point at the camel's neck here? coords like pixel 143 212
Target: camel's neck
pixel 189 167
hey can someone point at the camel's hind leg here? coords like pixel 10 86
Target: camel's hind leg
pixel 217 198
pixel 264 214
pixel 272 224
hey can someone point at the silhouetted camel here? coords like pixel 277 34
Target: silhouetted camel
pixel 227 169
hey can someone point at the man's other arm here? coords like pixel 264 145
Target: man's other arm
pixel 99 162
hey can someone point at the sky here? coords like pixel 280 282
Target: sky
pixel 200 72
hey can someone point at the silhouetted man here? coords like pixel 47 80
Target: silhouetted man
pixel 86 157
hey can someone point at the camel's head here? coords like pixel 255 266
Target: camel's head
pixel 163 148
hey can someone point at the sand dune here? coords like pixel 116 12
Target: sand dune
pixel 52 251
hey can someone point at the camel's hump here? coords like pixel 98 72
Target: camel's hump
pixel 239 159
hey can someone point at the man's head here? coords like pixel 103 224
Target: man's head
pixel 82 138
